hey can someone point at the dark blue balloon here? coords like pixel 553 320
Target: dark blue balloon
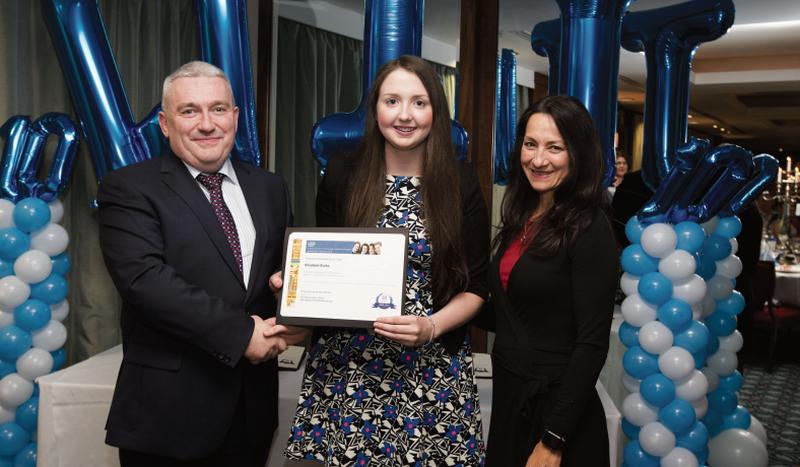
pixel 12 438
pixel 720 323
pixel 690 236
pixel 505 115
pixel 546 42
pixel 636 457
pixel 657 389
pixel 713 344
pixel 765 170
pixel 32 315
pixel 728 227
pixel 732 382
pixel 695 439
pixel 7 366
pixel 739 418
pixel 733 304
pixel 31 214
pixel 716 247
pixel 678 416
pixel 633 230
pixel 639 363
pixel 722 401
pixel 675 314
pixel 61 264
pixel 694 338
pixel 26 457
pixel 706 267
pixel 655 288
pixel 700 359
pixel 13 242
pixel 51 290
pixel 6 268
pixel 27 413
pixel 630 430
pixel 635 261
pixel 59 357
pixel 13 342
pixel 628 335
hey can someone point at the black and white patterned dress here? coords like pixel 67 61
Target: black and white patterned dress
pixel 366 400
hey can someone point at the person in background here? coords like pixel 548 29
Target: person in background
pixel 552 285
pixel 621 168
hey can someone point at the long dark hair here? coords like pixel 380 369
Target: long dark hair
pixel 579 196
pixel 441 194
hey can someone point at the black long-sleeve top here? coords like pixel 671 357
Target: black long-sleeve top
pixel 557 311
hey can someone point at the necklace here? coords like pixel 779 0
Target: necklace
pixel 530 228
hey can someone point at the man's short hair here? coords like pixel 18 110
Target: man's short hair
pixel 195 69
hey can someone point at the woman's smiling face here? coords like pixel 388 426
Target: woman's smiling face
pixel 544 156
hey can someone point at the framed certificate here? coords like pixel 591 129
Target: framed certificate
pixel 342 277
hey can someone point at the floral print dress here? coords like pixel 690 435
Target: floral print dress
pixel 366 400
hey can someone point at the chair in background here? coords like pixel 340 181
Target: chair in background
pixel 774 317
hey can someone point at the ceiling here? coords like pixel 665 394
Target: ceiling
pixel 747 82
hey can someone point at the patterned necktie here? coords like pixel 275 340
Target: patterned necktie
pixel 213 184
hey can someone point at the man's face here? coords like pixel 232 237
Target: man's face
pixel 200 120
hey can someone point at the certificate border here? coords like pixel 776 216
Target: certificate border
pixel 333 322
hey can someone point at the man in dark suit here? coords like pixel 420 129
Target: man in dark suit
pixel 190 240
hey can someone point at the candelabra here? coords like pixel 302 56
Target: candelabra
pixel 787 197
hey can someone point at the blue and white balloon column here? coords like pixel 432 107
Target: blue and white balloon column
pixel 33 305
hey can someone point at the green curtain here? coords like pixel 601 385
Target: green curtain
pixel 149 39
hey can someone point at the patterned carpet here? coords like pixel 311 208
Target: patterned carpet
pixel 774 398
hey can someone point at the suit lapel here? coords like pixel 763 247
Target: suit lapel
pixel 256 202
pixel 177 178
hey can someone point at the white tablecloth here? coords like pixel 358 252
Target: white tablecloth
pixel 74 403
pixel 787 285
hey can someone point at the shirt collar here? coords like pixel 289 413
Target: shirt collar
pixel 226 169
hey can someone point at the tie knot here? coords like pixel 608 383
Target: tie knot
pixel 212 182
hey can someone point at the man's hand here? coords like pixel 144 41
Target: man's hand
pixel 292 335
pixel 265 343
pixel 275 284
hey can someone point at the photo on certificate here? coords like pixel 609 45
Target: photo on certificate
pixel 342 277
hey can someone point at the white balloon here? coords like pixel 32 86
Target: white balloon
pixel 60 310
pixel 737 448
pixel 678 265
pixel 758 429
pixel 719 287
pixel 656 439
pixel 723 362
pixel 7 415
pixel 6 318
pixel 629 284
pixel 33 266
pixel 6 213
pixel 734 246
pixel 655 338
pixel 697 311
pixel 637 411
pixel 700 407
pixel 729 267
pixel 14 390
pixel 679 457
pixel 693 387
pixel 636 311
pixel 659 240
pixel 52 239
pixel 56 211
pixel 676 363
pixel 710 225
pixel 691 290
pixel 630 383
pixel 13 292
pixel 709 305
pixel 51 337
pixel 712 377
pixel 732 342
pixel 34 363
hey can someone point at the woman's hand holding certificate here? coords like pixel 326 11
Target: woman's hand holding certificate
pixel 412 331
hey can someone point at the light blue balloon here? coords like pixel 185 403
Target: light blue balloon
pixel 733 304
pixel 675 314
pixel 655 288
pixel 6 462
pixel 639 363
pixel 59 357
pixel 6 268
pixel 700 359
pixel 694 338
pixel 26 457
pixel 713 344
pixel 61 264
pixel 13 242
pixel 635 456
pixel 722 401
pixel 27 413
pixel 31 214
pixel 695 439
pixel 633 230
pixel 728 227
pixel 690 236
pixel 706 267
pixel 630 430
pixel 657 389
pixel 678 416
pixel 51 290
pixel 13 342
pixel 32 315
pixel 732 382
pixel 720 323
pixel 702 456
pixel 739 418
pixel 716 247
pixel 628 335
pixel 713 422
pixel 12 438
pixel 635 261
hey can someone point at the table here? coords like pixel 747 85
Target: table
pixel 74 404
pixel 787 284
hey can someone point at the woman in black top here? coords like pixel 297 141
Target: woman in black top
pixel 552 285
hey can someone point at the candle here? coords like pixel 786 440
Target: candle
pixel 788 164
pixel 780 175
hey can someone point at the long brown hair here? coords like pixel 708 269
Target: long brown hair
pixel 579 196
pixel 441 193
